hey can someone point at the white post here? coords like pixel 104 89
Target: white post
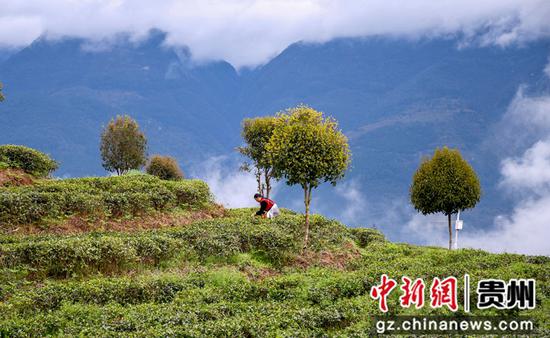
pixel 458 227
pixel 456 238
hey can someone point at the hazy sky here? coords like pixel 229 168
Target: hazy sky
pixel 250 32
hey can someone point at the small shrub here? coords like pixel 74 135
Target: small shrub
pixel 164 167
pixel 366 236
pixel 27 159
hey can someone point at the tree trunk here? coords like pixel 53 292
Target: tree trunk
pixel 450 232
pixel 267 183
pixel 307 201
pixel 259 181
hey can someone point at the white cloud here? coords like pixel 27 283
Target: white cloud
pixel 345 202
pixel 355 208
pixel 429 229
pixel 531 171
pixel 525 122
pixel 249 32
pixel 529 112
pixel 231 187
pixel 526 230
pixel 360 209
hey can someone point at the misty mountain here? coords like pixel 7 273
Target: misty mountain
pixel 396 99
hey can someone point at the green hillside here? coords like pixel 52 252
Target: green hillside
pixel 158 258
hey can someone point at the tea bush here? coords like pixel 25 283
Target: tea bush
pixel 95 196
pixel 87 254
pixel 100 291
pixel 71 256
pixel 277 241
pixel 366 236
pixel 220 301
pixel 226 237
pixel 27 159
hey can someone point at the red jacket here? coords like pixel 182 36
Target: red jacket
pixel 269 203
pixel 265 205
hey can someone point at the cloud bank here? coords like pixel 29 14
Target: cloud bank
pixel 250 32
pixel 527 229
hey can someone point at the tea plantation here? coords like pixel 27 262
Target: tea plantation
pixel 232 275
pixel 98 197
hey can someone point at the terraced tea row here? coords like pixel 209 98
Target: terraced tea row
pixel 97 197
pixel 118 251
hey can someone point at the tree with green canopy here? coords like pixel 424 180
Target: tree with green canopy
pixel 1 95
pixel 308 149
pixel 445 183
pixel 123 146
pixel 256 133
